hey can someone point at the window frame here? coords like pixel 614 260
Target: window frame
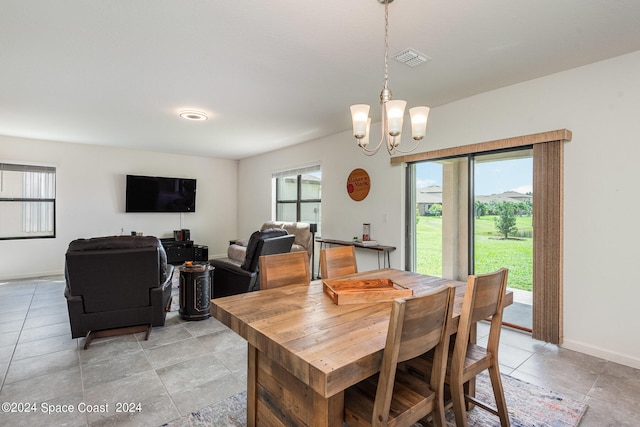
pixel 21 167
pixel 298 201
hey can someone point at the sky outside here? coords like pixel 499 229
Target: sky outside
pixel 492 177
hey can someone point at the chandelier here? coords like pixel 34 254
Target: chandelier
pixel 392 111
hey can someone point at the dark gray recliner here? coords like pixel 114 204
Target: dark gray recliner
pixel 115 285
pixel 231 277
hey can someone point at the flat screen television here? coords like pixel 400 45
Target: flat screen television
pixel 160 194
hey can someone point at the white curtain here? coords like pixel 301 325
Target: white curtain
pixel 38 214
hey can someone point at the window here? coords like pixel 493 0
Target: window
pixel 27 201
pixel 298 194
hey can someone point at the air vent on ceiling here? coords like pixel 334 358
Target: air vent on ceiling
pixel 411 57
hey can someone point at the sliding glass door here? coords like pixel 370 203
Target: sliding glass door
pixel 503 225
pixel 441 237
pixel 428 220
pixel 473 214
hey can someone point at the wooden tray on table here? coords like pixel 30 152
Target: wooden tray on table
pixel 364 291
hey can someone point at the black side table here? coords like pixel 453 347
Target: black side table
pixel 195 286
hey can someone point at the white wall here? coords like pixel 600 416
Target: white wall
pixel 90 200
pixel 599 103
pixel 342 218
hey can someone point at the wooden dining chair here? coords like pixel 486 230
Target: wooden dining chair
pixel 483 299
pixel 290 268
pixel 395 397
pixel 337 261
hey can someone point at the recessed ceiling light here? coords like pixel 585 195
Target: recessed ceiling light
pixel 193 115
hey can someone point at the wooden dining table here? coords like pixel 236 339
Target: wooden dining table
pixel 305 350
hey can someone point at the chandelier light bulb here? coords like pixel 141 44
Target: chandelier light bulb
pixel 395 116
pixel 419 117
pixel 360 115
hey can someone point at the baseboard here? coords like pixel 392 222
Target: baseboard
pixel 623 359
pixel 32 275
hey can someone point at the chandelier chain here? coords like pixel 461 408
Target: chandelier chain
pixel 386 44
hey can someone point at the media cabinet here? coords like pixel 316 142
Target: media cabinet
pixel 179 251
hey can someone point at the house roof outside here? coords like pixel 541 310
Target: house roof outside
pixel 433 194
pixel 429 195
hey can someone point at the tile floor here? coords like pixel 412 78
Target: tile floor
pixel 185 366
pixel 520 312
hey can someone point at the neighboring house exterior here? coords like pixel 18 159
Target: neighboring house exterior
pixel 428 196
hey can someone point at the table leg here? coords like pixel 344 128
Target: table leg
pixel 328 412
pixel 277 397
pixel 252 377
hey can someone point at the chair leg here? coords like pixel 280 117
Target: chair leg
pixel 146 336
pixel 117 331
pixel 438 419
pixel 87 341
pixel 470 390
pixel 498 392
pixel 459 406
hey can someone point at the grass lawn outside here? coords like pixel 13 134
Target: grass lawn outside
pixel 491 250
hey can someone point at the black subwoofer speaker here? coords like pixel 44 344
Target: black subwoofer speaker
pixel 201 253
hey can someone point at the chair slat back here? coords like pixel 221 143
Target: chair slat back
pixel 489 290
pixel 338 261
pixel 424 319
pixel 290 268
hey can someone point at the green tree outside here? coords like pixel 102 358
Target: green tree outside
pixel 506 219
pixel 435 210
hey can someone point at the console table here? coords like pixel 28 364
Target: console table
pixel 381 249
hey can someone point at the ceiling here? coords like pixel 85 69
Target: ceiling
pixel 272 73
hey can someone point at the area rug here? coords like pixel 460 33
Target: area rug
pixel 528 405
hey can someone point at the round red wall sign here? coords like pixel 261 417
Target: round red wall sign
pixel 358 184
